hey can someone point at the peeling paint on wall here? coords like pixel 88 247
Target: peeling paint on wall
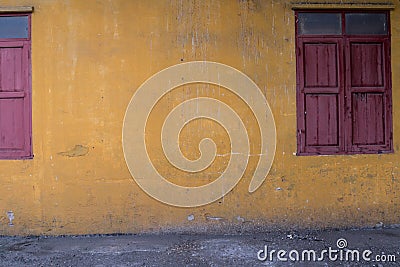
pixel 77 151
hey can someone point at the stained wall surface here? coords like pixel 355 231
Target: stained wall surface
pixel 88 60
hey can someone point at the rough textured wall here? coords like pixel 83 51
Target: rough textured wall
pixel 89 57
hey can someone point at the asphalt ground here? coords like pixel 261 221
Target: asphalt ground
pixel 356 247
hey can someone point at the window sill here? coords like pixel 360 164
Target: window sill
pixel 16 9
pixel 345 153
pixel 364 6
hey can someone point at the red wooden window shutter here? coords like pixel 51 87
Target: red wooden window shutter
pixel 320 95
pixel 368 94
pixel 15 99
pixel 343 82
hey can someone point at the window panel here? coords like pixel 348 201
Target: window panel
pixel 368 120
pixel 14 27
pixel 366 64
pixel 366 23
pixel 12 124
pixel 321 67
pixel 11 69
pixel 322 120
pixel 319 23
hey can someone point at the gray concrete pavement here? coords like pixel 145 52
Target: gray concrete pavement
pixel 373 247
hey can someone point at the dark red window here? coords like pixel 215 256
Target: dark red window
pixel 15 87
pixel 343 82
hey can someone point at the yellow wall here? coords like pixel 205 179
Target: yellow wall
pixel 89 57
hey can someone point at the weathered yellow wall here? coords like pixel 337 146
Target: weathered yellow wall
pixel 89 57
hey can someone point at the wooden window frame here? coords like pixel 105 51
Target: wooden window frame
pixel 25 43
pixel 345 144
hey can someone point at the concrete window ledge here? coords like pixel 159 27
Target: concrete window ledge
pixel 16 9
pixel 333 5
